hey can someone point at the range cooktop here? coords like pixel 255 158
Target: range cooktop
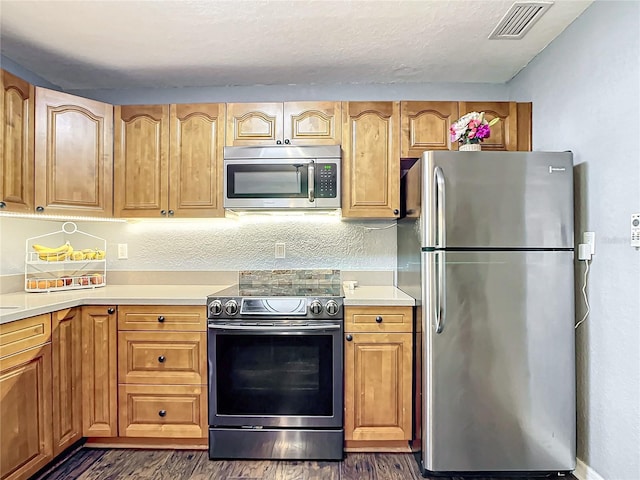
pixel 271 300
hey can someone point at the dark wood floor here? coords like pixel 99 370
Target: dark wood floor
pixel 90 464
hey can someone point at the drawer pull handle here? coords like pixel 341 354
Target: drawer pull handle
pixel 161 358
pixel 349 338
pixel 111 311
pixel 161 319
pixel 379 319
pixel 162 413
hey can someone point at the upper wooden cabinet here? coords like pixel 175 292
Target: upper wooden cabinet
pixel 504 134
pixel 168 160
pixel 295 123
pixel 73 155
pixel 425 126
pixel 17 114
pixel 371 160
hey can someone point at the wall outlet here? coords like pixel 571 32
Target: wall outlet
pixel 590 239
pixel 123 251
pixel 280 252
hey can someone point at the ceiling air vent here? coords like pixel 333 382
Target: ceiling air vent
pixel 519 19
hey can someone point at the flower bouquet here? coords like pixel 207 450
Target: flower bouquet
pixel 471 129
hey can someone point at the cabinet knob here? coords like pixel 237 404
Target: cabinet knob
pixel 349 338
pixel 163 212
pixel 2 204
pixel 39 208
pixel 161 358
pixel 278 142
pixel 287 141
pixel 162 413
pixel 161 319
pixel 379 319
pixel 171 212
pixel 396 211
pixel 111 311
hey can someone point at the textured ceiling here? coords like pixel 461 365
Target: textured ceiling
pixel 162 43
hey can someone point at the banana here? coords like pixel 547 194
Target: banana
pixel 100 254
pixel 58 254
pixel 47 250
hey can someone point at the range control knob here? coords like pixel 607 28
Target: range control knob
pixel 315 307
pixel 215 308
pixel 332 307
pixel 231 307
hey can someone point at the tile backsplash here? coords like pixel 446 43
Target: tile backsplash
pixel 316 277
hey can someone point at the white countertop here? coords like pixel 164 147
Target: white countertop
pixel 30 304
pixel 15 306
pixel 377 296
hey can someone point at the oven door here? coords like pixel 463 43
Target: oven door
pixel 275 375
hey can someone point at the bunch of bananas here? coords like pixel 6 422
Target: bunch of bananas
pixel 57 254
pixel 66 252
pixel 88 254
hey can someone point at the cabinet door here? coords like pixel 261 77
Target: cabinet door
pixel 425 126
pixel 99 372
pixel 377 392
pixel 524 126
pixel 312 123
pixel 25 410
pixel 141 149
pixel 67 378
pixel 254 124
pixel 17 112
pixel 504 134
pixel 195 177
pixel 371 159
pixel 73 155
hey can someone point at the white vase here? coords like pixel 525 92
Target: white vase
pixel 469 147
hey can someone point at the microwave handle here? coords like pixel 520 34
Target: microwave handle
pixel 312 181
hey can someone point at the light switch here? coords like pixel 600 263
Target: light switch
pixel 123 252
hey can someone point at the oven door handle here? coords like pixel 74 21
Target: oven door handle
pixel 274 328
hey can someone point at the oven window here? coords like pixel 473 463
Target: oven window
pixel 274 375
pixel 267 181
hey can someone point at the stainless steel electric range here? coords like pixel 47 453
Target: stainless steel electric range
pixel 275 372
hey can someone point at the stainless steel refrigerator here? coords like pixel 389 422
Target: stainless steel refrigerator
pixel 485 246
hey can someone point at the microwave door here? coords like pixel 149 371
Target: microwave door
pixel 274 184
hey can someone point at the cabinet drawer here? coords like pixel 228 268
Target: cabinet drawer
pixel 161 358
pixel 22 334
pixel 170 317
pixel 176 411
pixel 378 319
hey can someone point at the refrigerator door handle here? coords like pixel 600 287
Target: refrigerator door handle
pixel 438 180
pixel 441 288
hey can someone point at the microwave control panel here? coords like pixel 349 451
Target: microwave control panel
pixel 326 180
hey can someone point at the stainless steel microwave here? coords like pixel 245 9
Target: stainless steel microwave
pixel 282 177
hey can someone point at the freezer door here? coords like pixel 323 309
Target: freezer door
pixel 499 384
pixel 497 199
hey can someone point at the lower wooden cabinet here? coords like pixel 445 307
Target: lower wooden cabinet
pixel 175 411
pixel 25 408
pixel 99 372
pixel 66 344
pixel 162 371
pixel 378 374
